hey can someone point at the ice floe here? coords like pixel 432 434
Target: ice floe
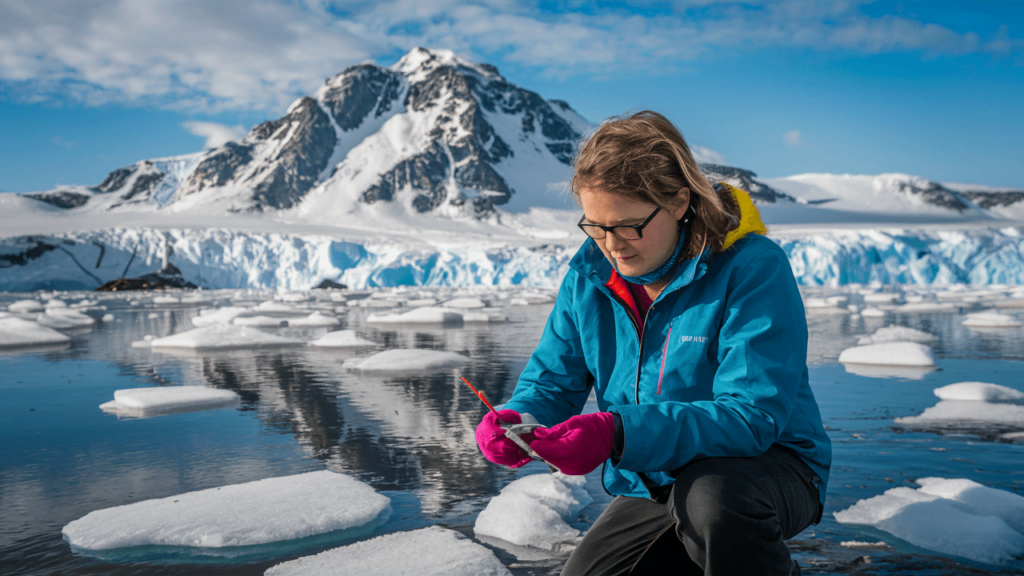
pixel 281 307
pixel 254 513
pixel 64 318
pixel 977 407
pixel 405 360
pixel 426 315
pixel 432 551
pixel 218 315
pixel 890 354
pixel 16 332
pixel 314 319
pixel 990 319
pixel 163 300
pixel 23 306
pixel 535 511
pixel 224 336
pixel 871 312
pixel 145 402
pixel 467 303
pixel 958 517
pixel 896 334
pixel 264 321
pixel 341 339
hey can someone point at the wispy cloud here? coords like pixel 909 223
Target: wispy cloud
pixel 216 134
pixel 63 142
pixel 706 155
pixel 792 138
pixel 233 54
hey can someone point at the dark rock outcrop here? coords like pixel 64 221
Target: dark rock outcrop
pixel 61 198
pixel 936 194
pixel 988 199
pixel 745 180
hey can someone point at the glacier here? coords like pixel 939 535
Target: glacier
pixel 221 258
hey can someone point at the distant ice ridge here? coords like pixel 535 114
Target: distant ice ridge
pixel 254 513
pixel 953 516
pixel 215 258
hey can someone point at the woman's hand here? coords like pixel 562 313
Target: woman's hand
pixel 578 445
pixel 490 437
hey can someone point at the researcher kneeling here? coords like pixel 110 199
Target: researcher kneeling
pixel 687 323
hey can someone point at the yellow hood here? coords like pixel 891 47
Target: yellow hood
pixel 750 218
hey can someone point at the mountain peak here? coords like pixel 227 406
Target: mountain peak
pixel 422 61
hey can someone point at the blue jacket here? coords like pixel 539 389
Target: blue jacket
pixel 718 368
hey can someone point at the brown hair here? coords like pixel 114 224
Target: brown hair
pixel 644 157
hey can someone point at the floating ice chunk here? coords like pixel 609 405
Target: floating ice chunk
pixel 24 306
pixel 265 321
pixel 108 318
pixel 426 315
pixel 432 551
pixel 962 526
pixel 421 302
pixel 980 392
pixel 261 512
pixel 870 312
pixel 16 331
pixel 144 402
pixel 925 307
pixel 967 416
pixel 314 319
pixel 224 336
pixel 535 511
pixel 883 297
pixel 166 300
pixel 65 318
pixel 481 317
pixel 978 499
pixel 465 303
pixel 991 319
pixel 1013 437
pixel 342 339
pixel 889 354
pixel 152 315
pixel 293 296
pixel 218 316
pixel 403 359
pixel 271 306
pixel 56 304
pixel 858 544
pixel 896 334
pixel 883 371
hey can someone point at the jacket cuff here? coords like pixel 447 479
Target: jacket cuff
pixel 620 439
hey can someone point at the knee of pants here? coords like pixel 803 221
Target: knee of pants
pixel 708 503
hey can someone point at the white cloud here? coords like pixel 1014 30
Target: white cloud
pixel 216 134
pixel 234 54
pixel 706 155
pixel 792 138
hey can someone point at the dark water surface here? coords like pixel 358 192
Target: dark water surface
pixel 411 436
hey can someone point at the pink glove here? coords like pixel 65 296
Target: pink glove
pixel 578 445
pixel 490 436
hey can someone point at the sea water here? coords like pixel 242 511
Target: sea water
pixel 409 435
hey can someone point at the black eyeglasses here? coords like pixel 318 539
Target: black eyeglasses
pixel 625 232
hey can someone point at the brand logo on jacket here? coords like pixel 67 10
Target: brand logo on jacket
pixel 700 339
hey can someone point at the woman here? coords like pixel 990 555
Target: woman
pixel 687 323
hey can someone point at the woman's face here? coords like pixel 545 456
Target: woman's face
pixel 633 257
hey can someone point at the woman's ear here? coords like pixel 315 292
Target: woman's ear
pixel 679 211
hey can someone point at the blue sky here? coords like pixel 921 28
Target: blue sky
pixel 926 88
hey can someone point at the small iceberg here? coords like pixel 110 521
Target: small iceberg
pixel 233 521
pixel 424 315
pixel 161 400
pixel 218 316
pixel 64 318
pixel 535 511
pixel 224 337
pixel 991 319
pixel 432 551
pixel 25 306
pixel 400 360
pixel 342 339
pixel 910 360
pixel 465 303
pixel 314 319
pixel 261 321
pixel 18 332
pixel 896 334
pixel 958 517
pixel 972 407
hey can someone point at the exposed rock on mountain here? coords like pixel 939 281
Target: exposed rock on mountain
pixel 744 180
pixel 935 194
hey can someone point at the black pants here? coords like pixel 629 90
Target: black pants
pixel 722 516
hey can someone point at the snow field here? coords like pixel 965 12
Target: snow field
pixel 890 354
pixel 535 511
pixel 401 360
pixel 253 513
pixel 144 402
pixel 432 551
pixel 952 516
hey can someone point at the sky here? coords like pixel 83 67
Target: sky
pixel 932 89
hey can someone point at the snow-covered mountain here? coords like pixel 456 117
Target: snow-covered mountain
pixel 432 133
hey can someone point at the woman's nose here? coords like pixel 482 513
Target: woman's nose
pixel 613 243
